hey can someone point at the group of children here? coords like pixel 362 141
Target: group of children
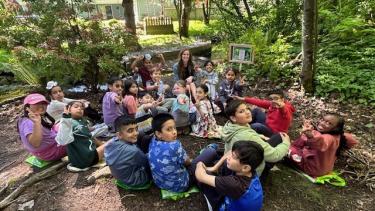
pixel 145 123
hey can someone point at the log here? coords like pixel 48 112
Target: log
pixel 29 182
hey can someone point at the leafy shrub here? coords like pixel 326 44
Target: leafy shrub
pixel 57 45
pixel 346 62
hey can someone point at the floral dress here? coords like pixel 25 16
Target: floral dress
pixel 206 126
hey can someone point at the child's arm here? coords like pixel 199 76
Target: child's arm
pixel 134 64
pixel 216 167
pixel 35 138
pixel 214 80
pixel 258 102
pixel 202 176
pixel 65 134
pixel 117 98
pixel 162 60
pixel 222 93
pixel 150 87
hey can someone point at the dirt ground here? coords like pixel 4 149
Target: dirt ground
pixel 284 189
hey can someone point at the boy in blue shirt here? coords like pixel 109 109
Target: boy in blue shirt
pixel 168 159
pixel 238 189
pixel 127 161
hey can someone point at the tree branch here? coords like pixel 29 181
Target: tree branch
pixel 30 181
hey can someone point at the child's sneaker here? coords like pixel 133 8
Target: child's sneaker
pixel 71 168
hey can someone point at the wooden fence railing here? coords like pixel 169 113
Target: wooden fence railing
pixel 158 25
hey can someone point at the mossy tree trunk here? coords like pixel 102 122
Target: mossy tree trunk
pixel 308 67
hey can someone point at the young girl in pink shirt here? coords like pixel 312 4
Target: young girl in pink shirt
pixel 130 98
pixel 35 129
pixel 316 150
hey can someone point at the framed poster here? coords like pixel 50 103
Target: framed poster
pixel 241 53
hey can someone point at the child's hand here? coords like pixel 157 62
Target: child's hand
pixel 67 109
pixel 264 137
pixel 285 138
pixel 307 126
pixel 189 80
pixel 118 99
pixel 235 97
pixel 204 81
pixel 279 104
pixel 181 100
pixel 34 117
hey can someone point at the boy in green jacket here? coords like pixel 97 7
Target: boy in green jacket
pixel 238 128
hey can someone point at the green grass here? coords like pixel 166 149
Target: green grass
pixel 196 28
pixel 160 40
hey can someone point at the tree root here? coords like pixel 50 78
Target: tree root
pixel 30 181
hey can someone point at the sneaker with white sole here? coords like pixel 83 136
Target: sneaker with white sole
pixel 71 168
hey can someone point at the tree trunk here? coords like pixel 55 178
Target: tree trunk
pixel 307 75
pixel 129 16
pixel 185 17
pixel 206 6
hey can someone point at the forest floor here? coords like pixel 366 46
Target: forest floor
pixel 284 188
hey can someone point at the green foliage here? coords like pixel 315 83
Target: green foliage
pixel 55 44
pixel 11 64
pixel 270 58
pixel 347 60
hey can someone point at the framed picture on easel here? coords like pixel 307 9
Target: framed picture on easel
pixel 241 53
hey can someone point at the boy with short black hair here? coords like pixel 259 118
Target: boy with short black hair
pixel 240 190
pixel 168 159
pixel 127 161
pixel 279 116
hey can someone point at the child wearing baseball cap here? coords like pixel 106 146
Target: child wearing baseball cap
pixel 35 129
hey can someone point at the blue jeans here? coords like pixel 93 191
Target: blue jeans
pixel 259 122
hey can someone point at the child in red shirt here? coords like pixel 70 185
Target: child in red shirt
pixel 279 115
pixel 316 150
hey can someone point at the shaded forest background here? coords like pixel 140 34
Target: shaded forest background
pixel 52 42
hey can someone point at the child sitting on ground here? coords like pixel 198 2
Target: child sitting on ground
pixel 155 86
pixel 74 132
pixel 112 107
pixel 168 159
pixel 59 102
pixel 230 87
pixel 129 101
pixel 180 107
pixel 316 150
pixel 211 79
pixel 238 129
pixel 205 125
pixel 35 129
pixel 147 109
pixel 145 69
pixel 279 116
pixel 127 162
pixel 240 190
